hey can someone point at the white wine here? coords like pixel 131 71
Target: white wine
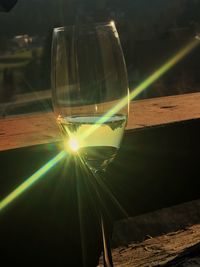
pixel 96 141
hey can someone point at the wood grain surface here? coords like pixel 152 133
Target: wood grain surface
pixel 28 130
pixel 157 251
pixel 166 237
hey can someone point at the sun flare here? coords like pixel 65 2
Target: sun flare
pixel 73 144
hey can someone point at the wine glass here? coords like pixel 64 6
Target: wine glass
pixel 90 97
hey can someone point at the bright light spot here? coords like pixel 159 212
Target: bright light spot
pixel 112 23
pixel 197 36
pixel 73 144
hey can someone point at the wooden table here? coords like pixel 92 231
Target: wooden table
pixel 156 167
pixel 27 130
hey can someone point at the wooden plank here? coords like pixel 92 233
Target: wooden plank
pixel 158 238
pixel 152 165
pixel 157 251
pixel 163 110
pixel 27 130
pixel 156 223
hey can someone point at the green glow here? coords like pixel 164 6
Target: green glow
pixel 152 78
pixel 74 144
pixel 31 180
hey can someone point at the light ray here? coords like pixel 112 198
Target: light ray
pixel 143 86
pixel 31 180
pixel 135 92
pixel 98 183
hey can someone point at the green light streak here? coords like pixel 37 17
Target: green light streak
pixel 31 180
pixel 139 89
pixel 164 68
pixel 152 78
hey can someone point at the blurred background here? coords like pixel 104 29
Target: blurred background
pixel 150 32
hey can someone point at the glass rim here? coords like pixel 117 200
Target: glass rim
pixel 110 23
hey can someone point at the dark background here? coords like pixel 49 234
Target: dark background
pixel 150 33
pixel 55 220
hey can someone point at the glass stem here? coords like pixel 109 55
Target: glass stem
pixel 107 254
